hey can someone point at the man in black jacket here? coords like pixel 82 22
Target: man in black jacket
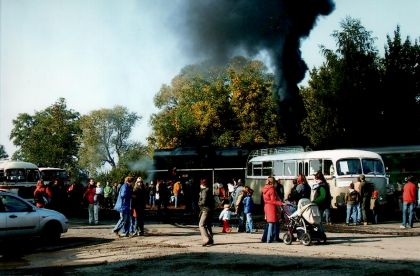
pixel 206 204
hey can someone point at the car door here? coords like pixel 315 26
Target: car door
pixel 21 218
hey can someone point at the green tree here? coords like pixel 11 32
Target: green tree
pixel 343 98
pixel 105 137
pixel 218 106
pixel 401 90
pixel 48 138
pixel 3 153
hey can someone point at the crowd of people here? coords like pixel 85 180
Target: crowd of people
pixel 131 197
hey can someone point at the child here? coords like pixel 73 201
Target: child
pixel 374 206
pixel 225 216
pixel 248 209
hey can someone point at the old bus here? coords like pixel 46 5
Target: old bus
pixel 51 174
pixel 340 167
pixel 19 177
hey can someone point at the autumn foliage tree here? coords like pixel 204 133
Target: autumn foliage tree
pixel 217 106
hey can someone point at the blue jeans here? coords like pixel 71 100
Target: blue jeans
pixel 249 223
pixel 152 200
pixel 270 232
pixel 123 223
pixel 351 212
pixel 407 207
pixel 359 217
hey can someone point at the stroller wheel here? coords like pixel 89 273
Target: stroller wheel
pixel 305 239
pixel 287 238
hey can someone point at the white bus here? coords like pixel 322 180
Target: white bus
pixel 340 167
pixel 19 177
pixel 51 174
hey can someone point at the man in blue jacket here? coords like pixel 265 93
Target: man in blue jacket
pixel 123 206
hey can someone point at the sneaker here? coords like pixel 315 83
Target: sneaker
pixel 402 226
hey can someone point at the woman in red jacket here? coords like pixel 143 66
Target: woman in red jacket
pixel 271 201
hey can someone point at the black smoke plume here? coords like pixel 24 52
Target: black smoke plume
pixel 220 29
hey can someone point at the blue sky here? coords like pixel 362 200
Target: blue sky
pixel 101 53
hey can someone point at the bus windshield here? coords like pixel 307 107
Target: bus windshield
pixel 353 166
pixel 373 166
pixel 54 174
pixel 22 175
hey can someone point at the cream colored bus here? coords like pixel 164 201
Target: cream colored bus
pixel 340 167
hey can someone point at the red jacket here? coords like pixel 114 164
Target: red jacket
pixel 409 192
pixel 90 194
pixel 271 201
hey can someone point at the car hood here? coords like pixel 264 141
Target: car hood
pixel 51 213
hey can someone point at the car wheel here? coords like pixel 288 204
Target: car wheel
pixel 51 231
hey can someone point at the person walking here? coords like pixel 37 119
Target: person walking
pixel 123 206
pixel 177 191
pixel 409 200
pixel 239 207
pixel 225 216
pixel 248 203
pixel 352 199
pixel 206 204
pixel 40 195
pixel 322 196
pixel 138 205
pixel 366 190
pixel 98 201
pixel 107 195
pixel 89 196
pixel 271 201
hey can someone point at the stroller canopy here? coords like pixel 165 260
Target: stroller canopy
pixel 308 210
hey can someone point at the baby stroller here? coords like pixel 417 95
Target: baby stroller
pixel 304 222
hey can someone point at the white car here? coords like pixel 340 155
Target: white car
pixel 19 218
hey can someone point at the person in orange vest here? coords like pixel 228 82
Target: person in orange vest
pixel 177 191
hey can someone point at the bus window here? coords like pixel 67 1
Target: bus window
pixel 32 176
pixel 314 166
pixel 267 168
pixel 15 175
pixel 348 166
pixel 249 169
pixel 278 168
pixel 2 178
pixel 257 169
pixel 303 170
pixel 328 167
pixel 372 166
pixel 290 168
pixel 300 167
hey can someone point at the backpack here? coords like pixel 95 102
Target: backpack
pixel 354 196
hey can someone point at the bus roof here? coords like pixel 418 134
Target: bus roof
pixel 333 154
pixel 51 169
pixel 6 165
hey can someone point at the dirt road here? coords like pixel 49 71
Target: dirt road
pixel 176 249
